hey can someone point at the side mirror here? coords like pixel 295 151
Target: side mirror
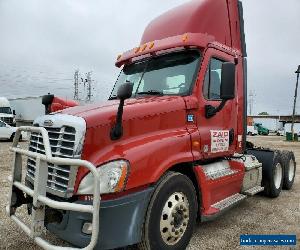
pixel 125 91
pixel 14 112
pixel 47 101
pixel 227 91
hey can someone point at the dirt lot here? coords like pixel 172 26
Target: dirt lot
pixel 256 215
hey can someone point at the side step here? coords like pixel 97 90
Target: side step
pixel 253 191
pixel 230 201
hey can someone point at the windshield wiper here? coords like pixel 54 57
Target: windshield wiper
pixel 151 92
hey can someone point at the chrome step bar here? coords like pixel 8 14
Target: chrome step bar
pixel 254 190
pixel 40 200
pixel 229 201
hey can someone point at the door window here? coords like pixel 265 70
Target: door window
pixel 2 124
pixel 213 78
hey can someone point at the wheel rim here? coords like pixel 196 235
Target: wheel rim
pixel 174 218
pixel 291 170
pixel 278 175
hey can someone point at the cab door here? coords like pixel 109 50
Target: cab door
pixel 218 133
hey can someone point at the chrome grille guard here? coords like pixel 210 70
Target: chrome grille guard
pixel 38 194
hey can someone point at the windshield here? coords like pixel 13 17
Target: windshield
pixel 5 110
pixel 170 74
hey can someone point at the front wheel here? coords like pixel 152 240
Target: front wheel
pixel 13 136
pixel 172 213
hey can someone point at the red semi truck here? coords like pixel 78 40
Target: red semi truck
pixel 168 147
pixel 53 103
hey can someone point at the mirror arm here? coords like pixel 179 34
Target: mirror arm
pixel 117 130
pixel 211 111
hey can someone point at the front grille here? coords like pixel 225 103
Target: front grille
pixel 8 120
pixel 62 142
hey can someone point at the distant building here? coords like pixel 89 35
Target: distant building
pixel 273 122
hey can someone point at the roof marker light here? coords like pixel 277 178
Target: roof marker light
pixel 119 57
pixel 137 50
pixel 144 47
pixel 185 37
pixel 151 45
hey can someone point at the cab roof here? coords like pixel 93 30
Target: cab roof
pixel 195 23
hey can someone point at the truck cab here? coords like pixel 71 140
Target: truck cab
pixel 168 147
pixel 6 113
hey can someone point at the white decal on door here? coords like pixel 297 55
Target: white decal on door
pixel 219 140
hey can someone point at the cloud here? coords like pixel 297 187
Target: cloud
pixel 43 42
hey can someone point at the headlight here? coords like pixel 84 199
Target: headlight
pixel 113 176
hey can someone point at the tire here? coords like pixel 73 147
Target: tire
pixel 171 215
pixel 12 137
pixel 273 184
pixel 289 166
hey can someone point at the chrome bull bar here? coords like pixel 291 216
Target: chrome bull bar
pixel 38 194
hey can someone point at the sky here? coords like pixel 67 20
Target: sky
pixel 42 43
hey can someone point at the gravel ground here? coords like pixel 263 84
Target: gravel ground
pixel 255 215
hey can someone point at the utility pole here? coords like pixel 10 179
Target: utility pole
pixel 89 86
pixel 76 84
pixel 251 102
pixel 295 100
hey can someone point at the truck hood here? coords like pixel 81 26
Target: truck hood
pixel 105 113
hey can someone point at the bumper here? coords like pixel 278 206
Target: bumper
pixel 121 222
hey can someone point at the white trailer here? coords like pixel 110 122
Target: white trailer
pixel 27 109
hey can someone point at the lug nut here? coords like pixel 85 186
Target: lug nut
pixel 184 224
pixel 185 216
pixel 176 232
pixel 181 230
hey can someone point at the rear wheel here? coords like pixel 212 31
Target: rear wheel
pixel 273 185
pixel 289 165
pixel 171 215
pixel 12 137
